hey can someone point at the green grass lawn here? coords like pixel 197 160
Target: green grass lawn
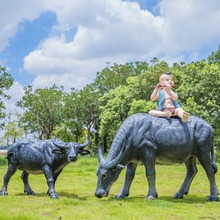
pixel 76 187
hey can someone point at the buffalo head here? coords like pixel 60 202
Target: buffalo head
pixel 71 149
pixel 107 173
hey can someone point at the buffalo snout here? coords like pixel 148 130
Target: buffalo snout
pixel 101 193
pixel 98 195
pixel 72 158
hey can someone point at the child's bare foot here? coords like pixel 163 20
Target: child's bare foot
pixel 185 116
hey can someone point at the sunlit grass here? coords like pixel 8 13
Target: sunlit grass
pixel 76 187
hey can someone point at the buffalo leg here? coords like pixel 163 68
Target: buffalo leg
pixel 55 178
pixel 50 182
pixel 27 188
pixel 55 175
pixel 149 160
pixel 10 172
pixel 190 174
pixel 206 163
pixel 130 172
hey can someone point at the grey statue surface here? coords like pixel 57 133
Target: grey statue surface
pixel 47 157
pixel 146 138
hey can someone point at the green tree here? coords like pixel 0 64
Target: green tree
pixel 12 132
pixel 82 111
pixel 131 97
pixel 199 93
pixel 63 132
pixel 113 76
pixel 119 103
pixel 90 114
pixel 43 110
pixel 114 109
pixel 11 129
pixel 6 82
pixel 72 114
pixel 200 89
pixel 215 57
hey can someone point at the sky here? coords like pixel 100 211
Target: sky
pixel 67 42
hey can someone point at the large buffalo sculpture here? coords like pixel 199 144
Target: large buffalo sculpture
pixel 145 138
pixel 47 157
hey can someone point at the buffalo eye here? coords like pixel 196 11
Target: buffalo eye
pixel 114 170
pixel 104 175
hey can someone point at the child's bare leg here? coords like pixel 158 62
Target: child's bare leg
pixel 157 113
pixel 182 114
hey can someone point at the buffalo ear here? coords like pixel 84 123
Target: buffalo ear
pixel 84 152
pixel 120 167
pixel 57 151
pixel 9 155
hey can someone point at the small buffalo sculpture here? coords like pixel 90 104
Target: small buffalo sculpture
pixel 146 138
pixel 47 157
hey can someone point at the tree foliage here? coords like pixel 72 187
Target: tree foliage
pixel 131 97
pixel 200 89
pixel 113 76
pixel 117 92
pixel 42 110
pixel 6 81
pixel 12 130
pixel 215 57
pixel 82 111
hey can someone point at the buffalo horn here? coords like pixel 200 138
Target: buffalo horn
pixel 100 155
pixel 116 161
pixel 57 142
pixel 81 146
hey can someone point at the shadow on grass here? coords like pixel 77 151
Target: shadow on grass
pixel 72 196
pixel 190 199
pixel 61 194
pixel 187 199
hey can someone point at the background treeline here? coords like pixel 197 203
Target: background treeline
pixel 117 92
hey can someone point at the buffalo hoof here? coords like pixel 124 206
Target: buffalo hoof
pixel 3 193
pixel 30 193
pixel 150 197
pixel 120 196
pixel 213 199
pixel 54 196
pixel 178 196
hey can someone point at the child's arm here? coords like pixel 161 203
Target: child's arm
pixel 155 94
pixel 173 95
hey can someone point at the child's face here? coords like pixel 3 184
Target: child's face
pixel 166 80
